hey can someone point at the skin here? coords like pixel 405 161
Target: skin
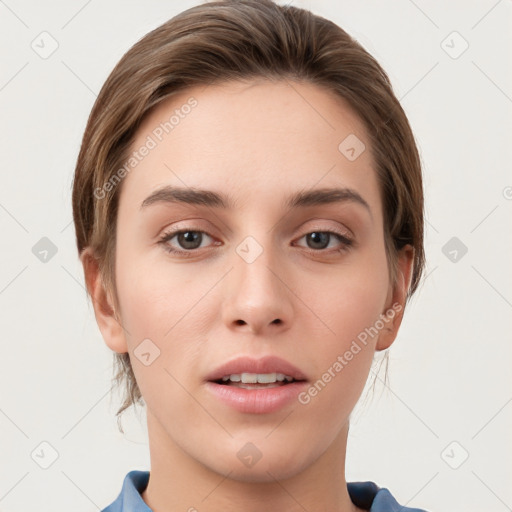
pixel 259 141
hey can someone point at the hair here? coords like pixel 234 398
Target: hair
pixel 240 40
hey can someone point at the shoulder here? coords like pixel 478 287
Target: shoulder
pixel 371 497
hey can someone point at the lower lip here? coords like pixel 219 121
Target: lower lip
pixel 257 401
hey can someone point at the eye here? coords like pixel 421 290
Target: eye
pixel 319 240
pixel 188 239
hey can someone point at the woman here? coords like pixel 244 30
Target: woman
pixel 248 206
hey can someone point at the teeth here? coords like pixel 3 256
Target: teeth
pixel 249 378
pixel 255 378
pixel 263 378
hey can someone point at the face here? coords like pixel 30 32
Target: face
pixel 201 283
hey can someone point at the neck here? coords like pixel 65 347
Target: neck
pixel 179 482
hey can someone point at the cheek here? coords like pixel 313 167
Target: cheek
pixel 343 355
pixel 347 309
pixel 161 306
pixel 354 306
pixel 153 293
pixel 352 298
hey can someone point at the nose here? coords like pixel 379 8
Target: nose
pixel 258 297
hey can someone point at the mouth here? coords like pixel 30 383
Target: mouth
pixel 249 373
pixel 256 386
pixel 256 380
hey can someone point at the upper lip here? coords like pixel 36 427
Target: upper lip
pixel 246 364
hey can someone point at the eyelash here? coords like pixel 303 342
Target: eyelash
pixel 346 243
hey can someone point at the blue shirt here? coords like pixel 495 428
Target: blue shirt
pixel 366 495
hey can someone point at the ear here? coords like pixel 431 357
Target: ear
pixel 104 310
pixel 397 295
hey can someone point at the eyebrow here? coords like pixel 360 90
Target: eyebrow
pixel 301 199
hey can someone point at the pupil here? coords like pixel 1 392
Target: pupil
pixel 317 237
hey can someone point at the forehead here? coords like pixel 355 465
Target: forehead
pixel 253 138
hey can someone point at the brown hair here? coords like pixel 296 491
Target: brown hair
pixel 242 40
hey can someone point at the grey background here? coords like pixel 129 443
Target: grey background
pixel 450 391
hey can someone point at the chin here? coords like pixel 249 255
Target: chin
pixel 262 473
pixel 264 465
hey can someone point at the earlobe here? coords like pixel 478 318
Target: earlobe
pixel 104 311
pixel 397 298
